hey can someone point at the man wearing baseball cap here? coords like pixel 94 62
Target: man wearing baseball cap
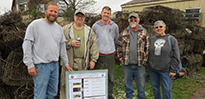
pixel 132 52
pixel 82 54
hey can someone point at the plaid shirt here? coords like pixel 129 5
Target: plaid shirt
pixel 123 45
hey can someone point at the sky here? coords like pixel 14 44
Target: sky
pixel 5 5
pixel 114 4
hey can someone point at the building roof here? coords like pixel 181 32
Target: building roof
pixel 139 1
pixel 20 2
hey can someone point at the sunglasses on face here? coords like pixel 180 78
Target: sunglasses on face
pixel 158 27
pixel 133 20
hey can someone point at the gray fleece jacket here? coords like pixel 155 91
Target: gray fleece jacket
pixel 107 36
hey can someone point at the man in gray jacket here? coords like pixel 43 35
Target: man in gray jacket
pixel 107 33
pixel 82 54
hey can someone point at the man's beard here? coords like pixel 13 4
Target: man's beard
pixel 133 25
pixel 50 20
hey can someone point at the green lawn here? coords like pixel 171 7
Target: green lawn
pixel 183 88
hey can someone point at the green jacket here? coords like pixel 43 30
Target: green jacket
pixel 91 47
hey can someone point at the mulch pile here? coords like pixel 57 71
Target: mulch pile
pixel 14 76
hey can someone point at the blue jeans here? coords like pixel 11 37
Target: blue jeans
pixel 163 79
pixel 139 74
pixel 46 80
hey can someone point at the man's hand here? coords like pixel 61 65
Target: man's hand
pixel 75 43
pixel 68 68
pixel 32 71
pixel 172 74
pixel 91 65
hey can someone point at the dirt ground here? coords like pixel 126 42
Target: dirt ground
pixel 199 94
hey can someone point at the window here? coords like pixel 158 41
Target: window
pixel 41 8
pixel 193 15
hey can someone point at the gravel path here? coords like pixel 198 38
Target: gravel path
pixel 199 94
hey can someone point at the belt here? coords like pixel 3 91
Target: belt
pixel 107 54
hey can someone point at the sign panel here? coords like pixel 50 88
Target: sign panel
pixel 89 84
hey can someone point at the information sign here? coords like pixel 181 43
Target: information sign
pixel 89 84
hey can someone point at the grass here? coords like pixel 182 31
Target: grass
pixel 182 88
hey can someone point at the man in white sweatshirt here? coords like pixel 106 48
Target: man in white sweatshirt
pixel 44 42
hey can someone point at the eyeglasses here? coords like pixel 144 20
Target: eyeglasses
pixel 158 27
pixel 80 16
pixel 133 20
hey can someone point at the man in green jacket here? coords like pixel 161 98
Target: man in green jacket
pixel 82 54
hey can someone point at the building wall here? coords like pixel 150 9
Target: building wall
pixel 182 5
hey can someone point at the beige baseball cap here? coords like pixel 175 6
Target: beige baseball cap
pixel 79 11
pixel 134 15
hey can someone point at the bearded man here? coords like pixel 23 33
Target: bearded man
pixel 44 42
pixel 132 52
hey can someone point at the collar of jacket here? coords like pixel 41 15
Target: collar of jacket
pixel 72 23
pixel 126 32
pixel 99 23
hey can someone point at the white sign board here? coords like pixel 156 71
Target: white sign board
pixel 89 84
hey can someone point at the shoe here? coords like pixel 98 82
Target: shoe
pixel 111 97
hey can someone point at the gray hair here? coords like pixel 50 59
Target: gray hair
pixel 159 22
